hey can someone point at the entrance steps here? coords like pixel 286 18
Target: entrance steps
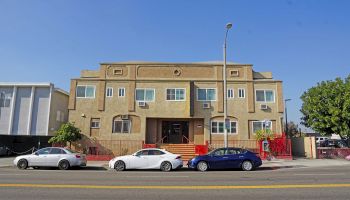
pixel 187 151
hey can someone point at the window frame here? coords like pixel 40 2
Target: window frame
pixel 273 92
pixel 232 92
pixel 144 100
pixel 206 89
pixel 122 126
pixel 119 92
pixel 262 126
pixel 109 89
pixel 220 121
pixel 99 123
pixel 86 86
pixel 241 89
pixel 166 94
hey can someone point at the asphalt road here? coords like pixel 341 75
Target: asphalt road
pixel 98 183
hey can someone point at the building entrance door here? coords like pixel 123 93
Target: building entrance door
pixel 175 132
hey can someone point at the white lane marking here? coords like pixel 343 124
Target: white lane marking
pixel 338 174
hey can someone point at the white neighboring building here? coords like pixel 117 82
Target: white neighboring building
pixel 30 112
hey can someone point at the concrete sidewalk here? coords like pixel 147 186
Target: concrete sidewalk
pixel 303 162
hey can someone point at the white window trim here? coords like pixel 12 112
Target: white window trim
pixel 233 93
pixel 207 89
pixel 95 127
pixel 229 133
pixel 122 88
pixel 107 91
pixel 274 96
pixel 129 131
pixel 243 93
pixel 261 125
pixel 76 91
pixel 166 90
pixel 154 94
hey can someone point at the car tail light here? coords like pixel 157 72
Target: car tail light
pixel 77 156
pixel 178 157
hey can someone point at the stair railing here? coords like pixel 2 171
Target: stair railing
pixel 185 138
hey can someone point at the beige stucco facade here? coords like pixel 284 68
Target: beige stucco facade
pixel 148 122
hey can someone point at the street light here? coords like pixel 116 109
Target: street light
pixel 226 124
pixel 285 111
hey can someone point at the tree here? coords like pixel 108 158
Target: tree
pixel 66 133
pixel 293 129
pixel 326 107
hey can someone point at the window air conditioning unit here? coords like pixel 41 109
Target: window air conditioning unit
pixel 263 107
pixel 125 117
pixel 142 103
pixel 206 105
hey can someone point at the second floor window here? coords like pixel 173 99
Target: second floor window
pixel 230 94
pixel 121 92
pixel 241 93
pixel 175 94
pixel 265 96
pixel 207 94
pixel 145 95
pixel 86 91
pixel 109 92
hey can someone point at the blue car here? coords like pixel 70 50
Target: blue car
pixel 226 158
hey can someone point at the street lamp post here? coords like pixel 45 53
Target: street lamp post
pixel 285 111
pixel 226 124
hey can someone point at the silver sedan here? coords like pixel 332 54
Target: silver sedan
pixel 51 157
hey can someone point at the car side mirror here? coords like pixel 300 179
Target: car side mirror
pixel 36 154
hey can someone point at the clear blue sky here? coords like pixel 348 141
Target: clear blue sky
pixel 301 42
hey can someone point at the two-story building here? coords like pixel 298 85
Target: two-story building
pixel 161 103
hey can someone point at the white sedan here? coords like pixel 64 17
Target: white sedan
pixel 51 157
pixel 151 158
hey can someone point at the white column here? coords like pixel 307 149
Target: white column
pixel 48 109
pixel 30 114
pixel 13 104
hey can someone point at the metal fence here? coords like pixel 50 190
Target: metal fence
pixel 114 147
pixel 251 145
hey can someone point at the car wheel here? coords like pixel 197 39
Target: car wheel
pixel 22 164
pixel 63 165
pixel 119 165
pixel 247 166
pixel 202 166
pixel 165 166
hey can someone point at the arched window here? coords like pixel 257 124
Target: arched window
pixel 121 125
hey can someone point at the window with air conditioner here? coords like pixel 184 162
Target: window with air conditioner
pixel 145 95
pixel 266 96
pixel 206 94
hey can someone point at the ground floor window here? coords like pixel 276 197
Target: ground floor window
pixel 260 125
pixel 217 127
pixel 121 126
